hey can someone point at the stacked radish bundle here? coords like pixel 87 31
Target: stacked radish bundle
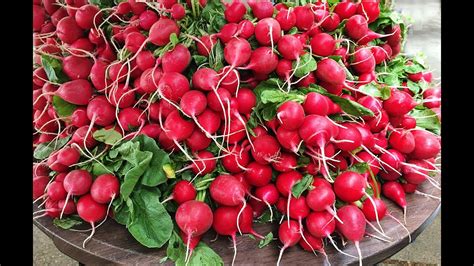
pixel 226 112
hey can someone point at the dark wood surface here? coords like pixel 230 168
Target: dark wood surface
pixel 112 244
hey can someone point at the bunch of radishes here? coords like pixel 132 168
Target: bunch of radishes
pixel 106 74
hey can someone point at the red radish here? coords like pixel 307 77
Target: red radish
pixel 151 130
pixel 290 115
pixel 290 47
pixel 409 187
pixel 79 117
pixel 262 61
pixel 345 9
pixel 145 60
pixel 228 32
pixel 289 235
pixel 369 9
pixel 350 186
pixel 235 11
pixel 205 44
pixel 147 19
pixel 49 5
pixel 304 17
pixel 176 60
pixel 205 79
pixel 52 209
pixel 173 86
pixel 393 159
pixel 122 96
pixel 39 186
pixel 311 243
pixel 356 27
pixel 363 61
pixel 427 145
pixel 88 15
pixel 79 137
pixel 225 223
pixel 403 141
pixel 246 29
pixel 227 190
pixel 91 212
pixel 379 54
pixel 394 191
pixel 330 71
pixel 77 91
pixel 261 9
pixel 323 44
pixel 286 18
pixel 394 37
pixel 352 226
pixel 131 118
pixel 209 121
pixel 204 163
pixel 178 12
pixel 150 79
pixel 348 139
pixel 69 207
pixel 316 104
pixel 161 30
pixel 269 195
pixel 215 98
pixel 286 162
pixel 77 183
pixel 183 191
pixel 258 174
pixel 246 222
pixel 237 52
pixel 123 8
pixel 321 198
pixel 98 75
pixel 68 31
pixel 193 103
pixel 100 111
pixel 415 171
pixel 268 31
pixel 237 160
pixel 331 22
pixel 68 156
pixel 134 41
pixel 177 128
pixel 56 191
pixel 288 139
pixel 265 149
pixel 105 188
pixel 399 103
pixel 371 213
pixel 246 99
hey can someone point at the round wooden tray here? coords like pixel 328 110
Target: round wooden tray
pixel 113 244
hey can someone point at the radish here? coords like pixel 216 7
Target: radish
pixel 345 9
pixel 321 198
pixel 350 186
pixel 193 103
pixel 122 96
pixel 228 32
pixel 331 22
pixel 105 188
pixel 261 9
pixel 263 61
pixel 237 52
pixel 288 139
pixel 265 149
pixel 173 86
pixel 55 191
pixel 145 60
pixel 415 171
pixel 134 41
pixel 246 100
pixel 83 137
pixel 399 103
pixel 268 31
pixel 204 163
pixel 225 223
pixel 68 31
pixel 394 191
pixel 330 71
pixel 177 11
pixel 257 174
pixel 352 226
pixel 316 104
pixel 348 139
pixel 311 243
pixel 147 18
pixel 290 47
pixel 176 60
pixel 286 162
pixel 129 119
pixel 77 91
pixel 246 222
pixel 227 190
pixel 323 44
pixel 88 15
pixel 183 191
pixel 236 160
pixel 289 235
pixel 304 18
pixel 153 131
pixel 90 211
pixel 69 207
pixel 356 27
pixel 194 218
pixel 178 128
pixel 246 29
pixel 371 213
pixel 161 30
pixel 369 9
pixel 205 44
pixel 363 61
pixel 427 145
pixel 150 79
pixel 286 18
pixel 234 11
pixel 403 141
pixel 290 115
pixel 68 156
pixel 269 195
pixel 209 120
pixel 98 76
pixel 101 112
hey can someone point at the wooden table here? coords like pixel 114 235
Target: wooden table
pixel 112 244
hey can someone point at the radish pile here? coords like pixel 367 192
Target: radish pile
pixel 216 114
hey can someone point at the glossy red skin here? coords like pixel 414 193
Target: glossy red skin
pixel 320 224
pixel 194 217
pixel 258 174
pixel 227 190
pixel 349 186
pixel 183 191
